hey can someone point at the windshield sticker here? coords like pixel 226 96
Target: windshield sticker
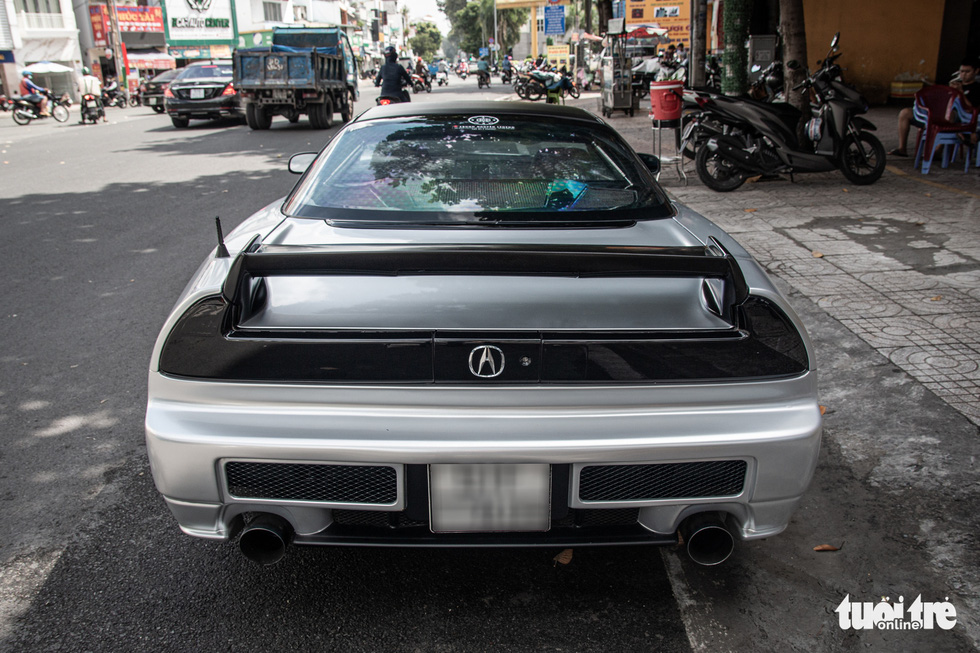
pixel 483 123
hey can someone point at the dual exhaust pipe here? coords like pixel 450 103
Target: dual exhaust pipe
pixel 706 537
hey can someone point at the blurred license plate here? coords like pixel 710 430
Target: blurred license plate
pixel 488 498
pixel 154 100
pixel 197 93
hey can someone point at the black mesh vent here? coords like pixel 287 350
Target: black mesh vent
pixel 609 517
pixel 372 484
pixel 717 478
pixel 375 518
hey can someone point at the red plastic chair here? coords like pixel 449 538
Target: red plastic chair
pixel 936 105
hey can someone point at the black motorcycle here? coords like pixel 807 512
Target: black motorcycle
pixel 25 111
pixel 743 137
pixel 91 109
pixel 114 97
pixel 482 79
pixel 769 86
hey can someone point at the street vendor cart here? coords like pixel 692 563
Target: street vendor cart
pixel 617 92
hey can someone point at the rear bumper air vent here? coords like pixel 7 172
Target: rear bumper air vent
pixel 715 478
pixel 346 484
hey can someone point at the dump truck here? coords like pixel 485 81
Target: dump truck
pixel 306 70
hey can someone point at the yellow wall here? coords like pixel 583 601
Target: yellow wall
pixel 880 40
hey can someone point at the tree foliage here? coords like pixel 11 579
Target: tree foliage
pixel 472 24
pixel 737 13
pixel 426 41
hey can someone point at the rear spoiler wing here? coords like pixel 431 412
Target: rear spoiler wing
pixel 712 261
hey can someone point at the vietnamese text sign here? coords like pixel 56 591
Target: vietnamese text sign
pixel 554 20
pixel 131 19
pixel 672 15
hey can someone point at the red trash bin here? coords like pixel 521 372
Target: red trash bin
pixel 666 100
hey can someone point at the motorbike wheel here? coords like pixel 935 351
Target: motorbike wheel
pixel 134 101
pixel 428 87
pixel 574 92
pixel 158 109
pixel 59 113
pixel 862 159
pixel 23 117
pixel 717 173
pixel 534 92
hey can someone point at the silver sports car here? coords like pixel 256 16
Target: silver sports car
pixel 481 324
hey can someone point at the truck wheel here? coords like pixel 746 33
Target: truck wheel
pixel 257 117
pixel 321 115
pixel 347 111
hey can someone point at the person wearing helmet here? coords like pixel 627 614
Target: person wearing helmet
pixel 33 93
pixel 92 86
pixel 392 78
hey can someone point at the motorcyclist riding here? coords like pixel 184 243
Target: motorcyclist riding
pixel 483 70
pixel 92 86
pixel 392 78
pixel 33 93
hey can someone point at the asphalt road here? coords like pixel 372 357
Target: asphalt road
pixel 104 224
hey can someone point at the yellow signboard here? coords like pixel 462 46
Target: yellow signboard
pixel 558 55
pixel 672 15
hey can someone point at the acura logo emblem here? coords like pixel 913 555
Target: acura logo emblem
pixel 486 361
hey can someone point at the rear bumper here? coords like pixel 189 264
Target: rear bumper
pixel 192 428
pixel 220 106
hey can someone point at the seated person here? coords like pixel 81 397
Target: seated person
pixel 33 93
pixel 966 83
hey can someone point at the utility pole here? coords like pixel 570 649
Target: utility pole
pixel 496 37
pixel 117 56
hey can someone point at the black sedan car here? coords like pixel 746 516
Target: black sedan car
pixel 202 90
pixel 156 87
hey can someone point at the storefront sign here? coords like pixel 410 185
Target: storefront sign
pixel 131 19
pixel 672 15
pixel 200 52
pixel 200 22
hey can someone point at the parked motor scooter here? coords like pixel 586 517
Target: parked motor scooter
pixel 757 138
pixel 769 86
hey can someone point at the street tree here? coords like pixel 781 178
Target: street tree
pixel 793 30
pixel 736 17
pixel 426 41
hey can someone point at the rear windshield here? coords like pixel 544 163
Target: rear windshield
pixel 206 71
pixel 166 76
pixel 480 168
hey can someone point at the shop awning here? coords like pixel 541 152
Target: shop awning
pixel 151 60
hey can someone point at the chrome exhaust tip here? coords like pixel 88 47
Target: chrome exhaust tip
pixel 265 538
pixel 707 539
